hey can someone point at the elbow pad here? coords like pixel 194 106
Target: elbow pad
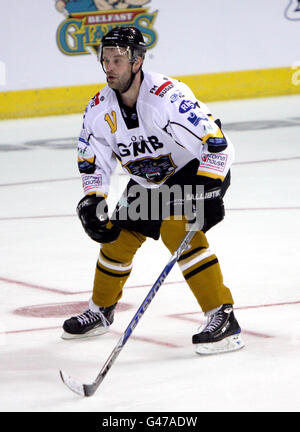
pixel 216 144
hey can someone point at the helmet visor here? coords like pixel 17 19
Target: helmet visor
pixel 114 55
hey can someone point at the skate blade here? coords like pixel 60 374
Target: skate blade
pixel 231 343
pixel 94 332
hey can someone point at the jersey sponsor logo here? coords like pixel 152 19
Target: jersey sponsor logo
pixel 213 161
pixel 154 170
pixel 194 119
pixel 175 96
pixel 140 145
pixel 154 88
pixel 87 21
pixel 96 100
pixel 91 182
pixel 112 122
pixel 163 89
pixel 186 105
pixel 83 151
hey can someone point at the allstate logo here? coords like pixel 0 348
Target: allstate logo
pixel 292 11
pixel 87 21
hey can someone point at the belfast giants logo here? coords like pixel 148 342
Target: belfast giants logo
pixel 292 10
pixel 87 21
pixel 154 170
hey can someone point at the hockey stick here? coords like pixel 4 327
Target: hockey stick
pixel 89 389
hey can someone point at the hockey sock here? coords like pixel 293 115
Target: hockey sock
pixel 199 265
pixel 114 266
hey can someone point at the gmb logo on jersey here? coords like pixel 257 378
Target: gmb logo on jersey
pixel 140 145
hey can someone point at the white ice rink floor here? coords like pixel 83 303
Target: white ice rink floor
pixel 47 270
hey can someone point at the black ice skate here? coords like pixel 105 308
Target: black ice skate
pixel 222 333
pixel 93 321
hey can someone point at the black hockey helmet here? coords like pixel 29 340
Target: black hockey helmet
pixel 125 37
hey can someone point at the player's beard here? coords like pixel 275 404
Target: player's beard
pixel 120 84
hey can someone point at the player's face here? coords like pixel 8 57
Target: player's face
pixel 117 67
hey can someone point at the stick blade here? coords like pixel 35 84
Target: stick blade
pixel 73 385
pixel 77 387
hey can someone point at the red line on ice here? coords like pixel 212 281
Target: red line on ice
pixel 29 182
pixel 137 338
pixel 35 286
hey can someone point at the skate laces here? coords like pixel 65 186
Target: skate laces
pixel 214 322
pixel 89 317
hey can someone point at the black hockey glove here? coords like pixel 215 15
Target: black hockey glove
pixel 208 207
pixel 214 210
pixel 212 200
pixel 93 214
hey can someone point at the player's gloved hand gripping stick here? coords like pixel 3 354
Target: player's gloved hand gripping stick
pixel 92 211
pixel 89 389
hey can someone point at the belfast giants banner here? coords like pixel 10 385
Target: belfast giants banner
pixel 86 21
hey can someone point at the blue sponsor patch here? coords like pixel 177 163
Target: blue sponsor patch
pixel 194 119
pixel 186 105
pixel 175 96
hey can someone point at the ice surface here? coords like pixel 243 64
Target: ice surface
pixel 47 270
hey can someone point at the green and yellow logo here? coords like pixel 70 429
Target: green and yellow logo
pixel 87 21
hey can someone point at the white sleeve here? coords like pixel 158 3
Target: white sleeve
pixel 96 162
pixel 190 124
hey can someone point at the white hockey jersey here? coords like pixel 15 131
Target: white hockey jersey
pixel 171 129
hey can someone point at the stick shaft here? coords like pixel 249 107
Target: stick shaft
pixel 90 389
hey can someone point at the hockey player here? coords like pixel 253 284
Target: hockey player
pixel 162 136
